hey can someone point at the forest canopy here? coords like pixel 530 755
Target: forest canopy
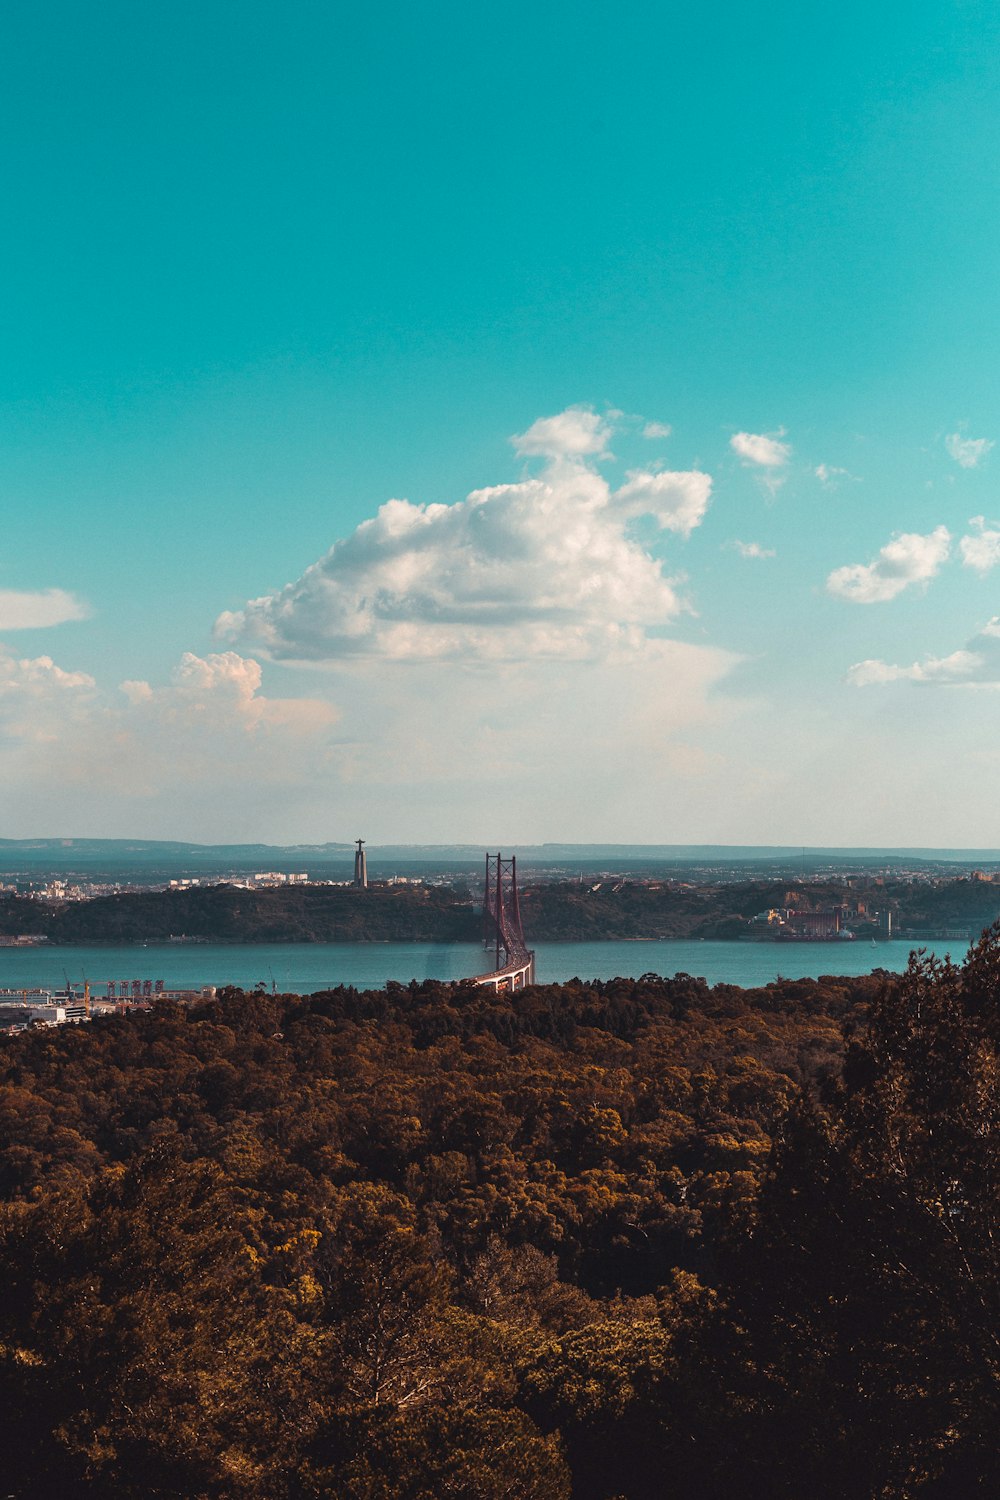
pixel 607 1241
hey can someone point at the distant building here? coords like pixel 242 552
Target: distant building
pixel 815 924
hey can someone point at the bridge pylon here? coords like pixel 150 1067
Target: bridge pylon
pixel 503 935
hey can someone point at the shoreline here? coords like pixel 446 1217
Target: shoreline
pixel 52 945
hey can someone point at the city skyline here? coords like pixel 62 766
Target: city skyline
pixel 401 422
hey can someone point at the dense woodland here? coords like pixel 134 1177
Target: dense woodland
pixel 552 911
pixel 618 1241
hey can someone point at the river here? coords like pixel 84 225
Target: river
pixel 305 967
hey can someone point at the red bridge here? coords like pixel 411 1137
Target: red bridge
pixel 503 935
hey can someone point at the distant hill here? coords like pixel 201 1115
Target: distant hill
pixel 150 860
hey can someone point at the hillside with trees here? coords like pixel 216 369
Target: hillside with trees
pixel 589 1242
pixel 231 914
pixel 553 911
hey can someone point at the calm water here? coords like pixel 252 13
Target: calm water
pixel 304 967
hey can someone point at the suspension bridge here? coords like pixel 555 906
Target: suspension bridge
pixel 503 935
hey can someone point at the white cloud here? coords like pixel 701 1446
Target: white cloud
pixel 546 568
pixel 968 452
pixel 980 549
pixel 908 559
pixel 678 502
pixel 24 610
pixel 219 693
pixel 37 676
pixel 577 432
pixel 481 647
pixel 36 696
pixel 752 549
pixel 958 667
pixel 657 430
pixel 223 690
pixel 762 449
pixel 975 665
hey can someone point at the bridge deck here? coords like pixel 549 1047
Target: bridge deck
pixel 513 976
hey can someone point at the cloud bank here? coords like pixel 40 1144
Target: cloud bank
pixel 36 696
pixel 208 727
pixel 222 690
pixel 975 665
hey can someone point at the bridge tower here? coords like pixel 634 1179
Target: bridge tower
pixel 360 866
pixel 503 935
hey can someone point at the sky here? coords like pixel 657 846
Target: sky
pixel 501 424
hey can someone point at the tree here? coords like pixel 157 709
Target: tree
pixel 860 1349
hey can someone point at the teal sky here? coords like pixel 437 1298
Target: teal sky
pixel 266 268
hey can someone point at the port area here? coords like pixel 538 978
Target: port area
pixel 32 1007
